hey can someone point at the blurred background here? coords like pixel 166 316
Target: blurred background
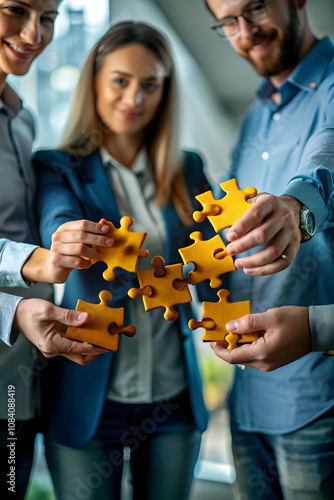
pixel 216 87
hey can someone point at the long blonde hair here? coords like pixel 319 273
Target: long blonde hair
pixel 83 133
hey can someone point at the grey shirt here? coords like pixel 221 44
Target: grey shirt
pixel 149 366
pixel 18 365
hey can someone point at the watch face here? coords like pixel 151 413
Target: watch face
pixel 307 223
pixel 310 223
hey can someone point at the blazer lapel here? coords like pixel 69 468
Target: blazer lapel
pixel 98 188
pixel 174 234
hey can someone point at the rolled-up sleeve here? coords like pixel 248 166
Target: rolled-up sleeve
pixel 12 257
pixel 8 306
pixel 321 319
pixel 313 184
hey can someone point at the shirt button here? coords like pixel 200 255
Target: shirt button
pixel 8 278
pixel 276 117
pixel 265 155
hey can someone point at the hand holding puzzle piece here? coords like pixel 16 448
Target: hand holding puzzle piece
pixel 225 212
pixel 104 324
pixel 126 251
pixel 165 286
pixel 216 315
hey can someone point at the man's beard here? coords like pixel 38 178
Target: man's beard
pixel 288 49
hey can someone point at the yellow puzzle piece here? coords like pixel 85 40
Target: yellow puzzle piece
pixel 225 212
pixel 162 286
pixel 210 259
pixel 126 251
pixel 216 315
pixel 104 324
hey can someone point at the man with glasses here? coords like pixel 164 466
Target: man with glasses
pixel 282 422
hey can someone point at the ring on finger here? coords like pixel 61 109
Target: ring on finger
pixel 284 257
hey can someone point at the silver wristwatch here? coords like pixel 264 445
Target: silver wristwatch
pixel 307 223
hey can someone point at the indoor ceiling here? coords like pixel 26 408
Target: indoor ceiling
pixel 232 78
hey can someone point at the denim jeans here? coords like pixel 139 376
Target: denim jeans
pixel 163 443
pixel 294 466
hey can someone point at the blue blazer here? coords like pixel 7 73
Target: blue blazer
pixel 74 188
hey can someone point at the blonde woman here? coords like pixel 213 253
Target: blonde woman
pixel 119 156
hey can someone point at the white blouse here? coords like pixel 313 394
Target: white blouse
pixel 149 366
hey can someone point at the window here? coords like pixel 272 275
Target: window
pixel 48 87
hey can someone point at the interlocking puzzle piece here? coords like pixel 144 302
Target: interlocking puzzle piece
pixel 210 259
pixel 225 212
pixel 103 326
pixel 125 252
pixel 162 286
pixel 216 315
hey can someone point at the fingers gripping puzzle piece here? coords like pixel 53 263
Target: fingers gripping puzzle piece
pixel 126 251
pixel 225 212
pixel 216 315
pixel 209 257
pixel 104 324
pixel 162 287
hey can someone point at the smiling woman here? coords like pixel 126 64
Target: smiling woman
pixel 120 157
pixel 48 86
pixel 129 89
pixel 26 28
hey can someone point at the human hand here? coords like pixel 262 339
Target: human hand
pixel 284 336
pixel 71 248
pixel 41 322
pixel 272 221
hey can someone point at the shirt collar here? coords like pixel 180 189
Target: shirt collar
pixel 139 166
pixel 309 72
pixel 10 101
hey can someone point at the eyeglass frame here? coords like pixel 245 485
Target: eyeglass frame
pixel 217 24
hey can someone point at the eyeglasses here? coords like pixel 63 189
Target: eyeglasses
pixel 253 13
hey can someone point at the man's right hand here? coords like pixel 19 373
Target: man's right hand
pixel 40 321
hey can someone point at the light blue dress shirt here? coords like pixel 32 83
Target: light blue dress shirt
pixel 321 319
pixel 289 149
pixel 12 257
pixel 149 366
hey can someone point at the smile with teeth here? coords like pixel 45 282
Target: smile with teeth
pixel 19 49
pixel 261 46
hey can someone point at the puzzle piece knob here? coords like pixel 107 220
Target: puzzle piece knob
pixel 206 323
pixel 212 210
pixel 105 296
pixel 170 314
pixel 134 293
pixel 232 339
